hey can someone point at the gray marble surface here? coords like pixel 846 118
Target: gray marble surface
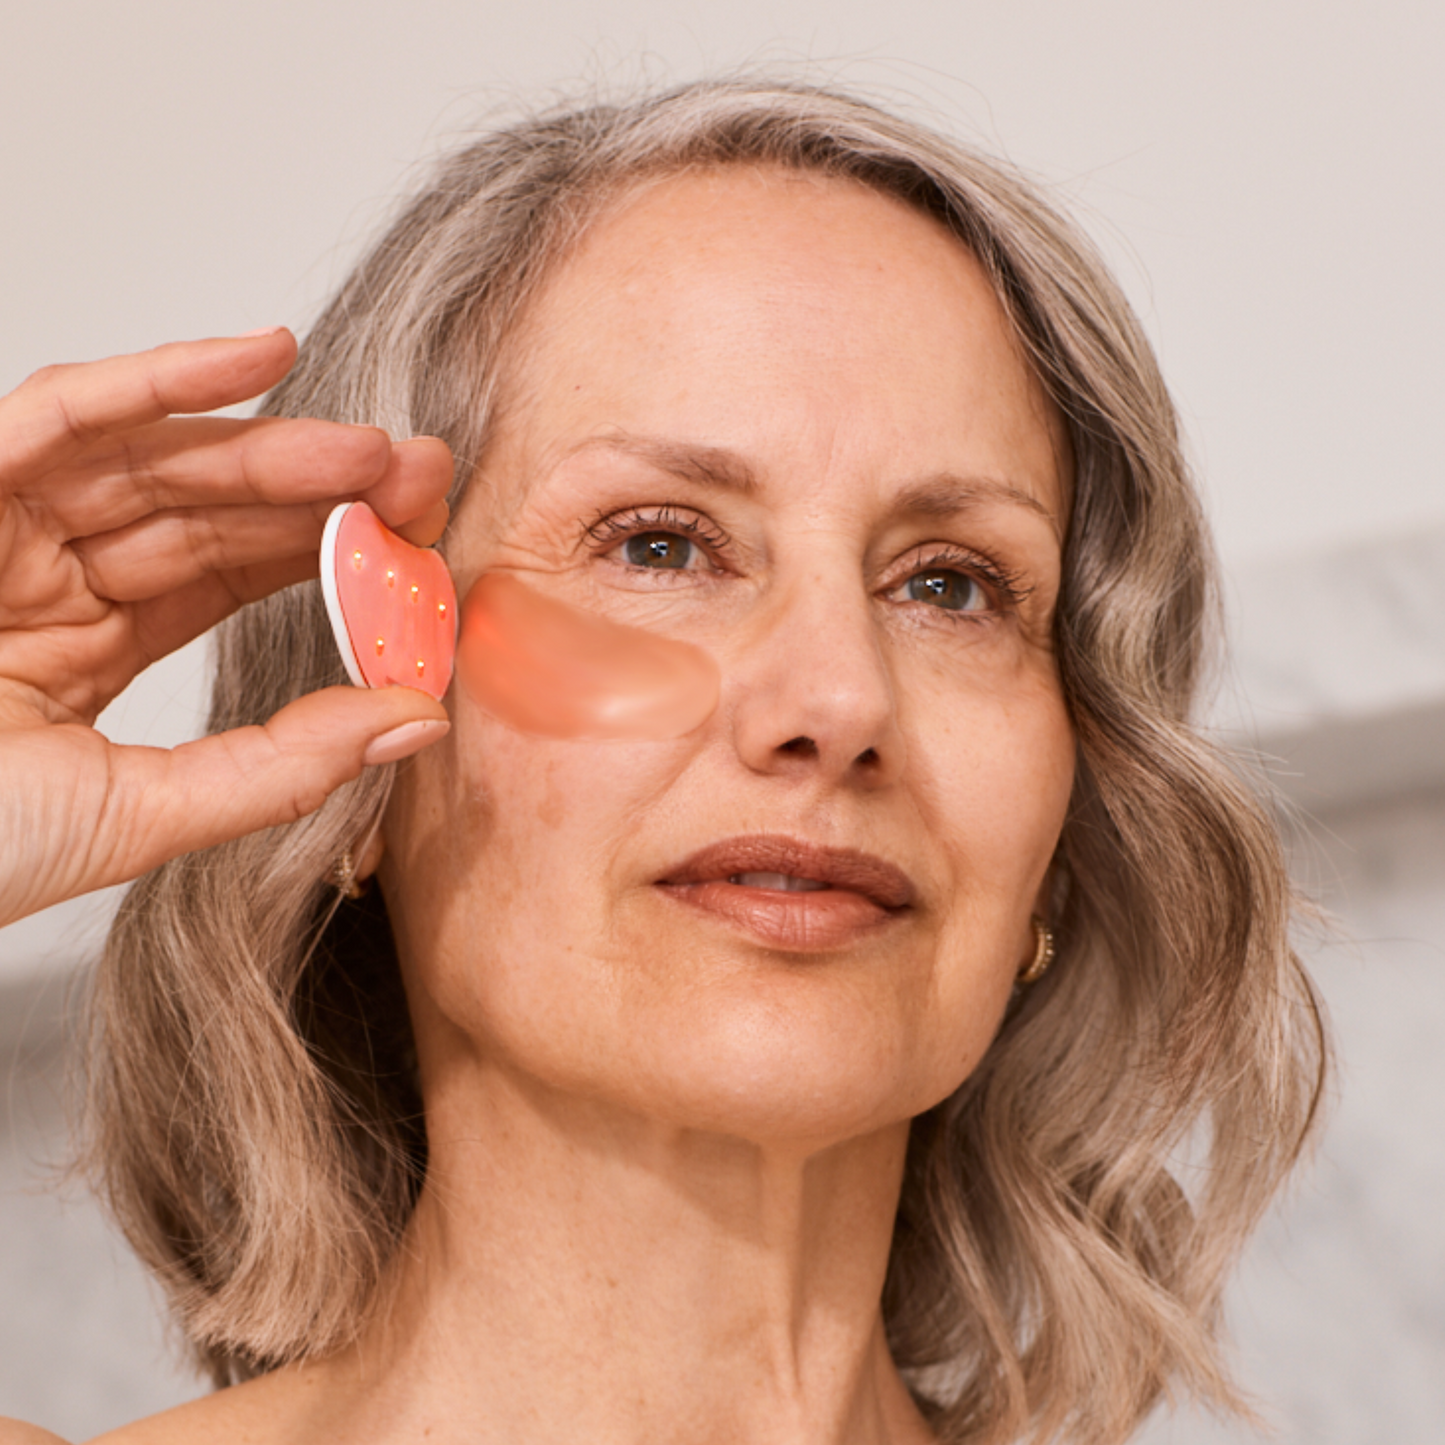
pixel 1338 1315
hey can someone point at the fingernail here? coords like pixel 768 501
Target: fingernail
pixel 429 442
pixel 403 741
pixel 260 331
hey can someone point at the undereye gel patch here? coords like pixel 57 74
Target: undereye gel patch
pixel 536 663
pixel 544 666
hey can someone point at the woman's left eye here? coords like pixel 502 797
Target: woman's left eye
pixel 659 550
pixel 944 587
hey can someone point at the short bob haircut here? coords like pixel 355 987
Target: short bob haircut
pixel 254 1119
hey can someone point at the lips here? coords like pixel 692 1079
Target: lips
pixel 841 868
pixel 769 887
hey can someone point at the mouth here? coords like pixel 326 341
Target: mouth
pixel 789 894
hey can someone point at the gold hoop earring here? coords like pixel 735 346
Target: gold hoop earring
pixel 343 876
pixel 1044 952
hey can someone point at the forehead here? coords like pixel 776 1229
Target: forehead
pixel 782 315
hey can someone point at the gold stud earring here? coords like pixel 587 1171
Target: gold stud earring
pixel 343 876
pixel 1044 951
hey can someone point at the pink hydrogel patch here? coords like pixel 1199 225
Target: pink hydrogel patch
pixel 392 605
pixel 544 666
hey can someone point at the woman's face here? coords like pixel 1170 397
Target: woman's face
pixel 782 418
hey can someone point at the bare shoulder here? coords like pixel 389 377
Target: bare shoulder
pixel 207 1421
pixel 260 1412
pixel 17 1432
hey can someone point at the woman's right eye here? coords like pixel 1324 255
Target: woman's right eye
pixel 664 538
pixel 659 550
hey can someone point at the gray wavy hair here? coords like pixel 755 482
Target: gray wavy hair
pixel 255 1123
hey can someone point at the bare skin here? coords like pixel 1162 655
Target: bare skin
pixel 17 1432
pixel 667 1120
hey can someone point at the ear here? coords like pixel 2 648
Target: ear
pixel 371 856
pixel 1053 891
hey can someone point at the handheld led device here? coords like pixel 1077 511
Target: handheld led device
pixel 392 606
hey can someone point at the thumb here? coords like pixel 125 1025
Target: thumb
pixel 238 782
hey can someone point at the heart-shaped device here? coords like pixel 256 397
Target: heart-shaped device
pixel 392 605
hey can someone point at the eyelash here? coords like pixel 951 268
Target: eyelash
pixel 608 530
pixel 611 529
pixel 1007 586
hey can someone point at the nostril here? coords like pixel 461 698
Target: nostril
pixel 869 758
pixel 800 747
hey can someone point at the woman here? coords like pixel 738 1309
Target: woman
pixel 713 1087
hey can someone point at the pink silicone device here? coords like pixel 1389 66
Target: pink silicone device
pixel 392 605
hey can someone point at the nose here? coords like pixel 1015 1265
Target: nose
pixel 813 694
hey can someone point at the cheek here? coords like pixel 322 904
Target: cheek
pixel 549 668
pixel 994 778
pixel 480 827
pixel 468 878
pixel 501 850
pixel 992 749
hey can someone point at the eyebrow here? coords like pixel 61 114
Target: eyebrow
pixel 944 494
pixel 689 461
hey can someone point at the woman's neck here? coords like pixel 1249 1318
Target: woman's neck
pixel 575 1273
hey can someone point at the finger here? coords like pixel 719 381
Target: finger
pixel 162 625
pixel 83 662
pixel 418 477
pixel 427 530
pixel 209 461
pixel 82 669
pixel 224 461
pixel 234 783
pixel 62 409
pixel 171 549
pixel 159 626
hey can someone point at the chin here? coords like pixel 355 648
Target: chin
pixel 768 1073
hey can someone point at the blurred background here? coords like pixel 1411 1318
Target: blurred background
pixel 1267 177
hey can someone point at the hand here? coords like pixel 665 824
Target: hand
pixel 125 531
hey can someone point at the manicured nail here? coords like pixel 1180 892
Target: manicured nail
pixel 402 742
pixel 260 331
